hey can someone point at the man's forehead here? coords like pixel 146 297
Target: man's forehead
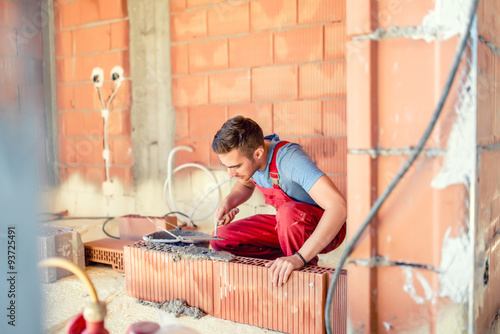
pixel 234 157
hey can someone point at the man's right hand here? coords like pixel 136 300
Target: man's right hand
pixel 223 216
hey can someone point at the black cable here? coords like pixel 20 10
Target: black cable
pixel 378 203
pixel 104 224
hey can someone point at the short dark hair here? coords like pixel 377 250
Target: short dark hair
pixel 241 133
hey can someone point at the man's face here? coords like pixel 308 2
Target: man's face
pixel 238 165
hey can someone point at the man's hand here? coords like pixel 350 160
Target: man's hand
pixel 223 216
pixel 281 268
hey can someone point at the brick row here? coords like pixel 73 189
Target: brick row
pixel 296 45
pixel 239 290
pixel 288 82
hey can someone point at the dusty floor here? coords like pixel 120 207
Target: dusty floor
pixel 66 297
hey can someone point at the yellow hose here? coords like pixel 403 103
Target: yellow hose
pixel 70 266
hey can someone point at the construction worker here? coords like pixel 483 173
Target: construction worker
pixel 310 210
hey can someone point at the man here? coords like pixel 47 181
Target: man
pixel 310 210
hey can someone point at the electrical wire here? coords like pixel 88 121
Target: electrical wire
pixel 378 203
pixel 104 225
pixel 168 184
pixel 77 271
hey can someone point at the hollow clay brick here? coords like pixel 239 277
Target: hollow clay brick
pixel 54 241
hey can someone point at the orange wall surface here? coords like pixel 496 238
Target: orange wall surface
pixel 281 63
pixel 92 34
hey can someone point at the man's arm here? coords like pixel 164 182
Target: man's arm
pixel 328 197
pixel 241 192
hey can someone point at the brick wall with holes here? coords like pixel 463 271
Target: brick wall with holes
pixel 281 63
pixel 92 34
pixel 488 140
pixel 21 70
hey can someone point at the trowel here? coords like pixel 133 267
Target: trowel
pixel 236 210
pixel 178 235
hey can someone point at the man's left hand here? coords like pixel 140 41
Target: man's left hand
pixel 281 268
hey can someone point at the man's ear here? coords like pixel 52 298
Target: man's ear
pixel 258 153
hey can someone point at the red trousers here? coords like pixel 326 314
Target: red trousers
pixel 273 236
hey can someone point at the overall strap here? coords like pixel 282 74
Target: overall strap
pixel 273 168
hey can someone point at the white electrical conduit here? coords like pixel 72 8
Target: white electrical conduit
pixel 168 183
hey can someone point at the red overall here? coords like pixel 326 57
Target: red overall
pixel 273 236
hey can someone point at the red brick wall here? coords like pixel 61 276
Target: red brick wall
pixel 280 62
pixel 92 34
pixel 21 70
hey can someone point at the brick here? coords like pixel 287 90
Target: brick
pixel 274 14
pixel 95 175
pixel 329 154
pixel 189 26
pixel 319 11
pixel 8 41
pixel 228 19
pixel 64 43
pixel 9 97
pixel 92 39
pixel 11 13
pixel 496 129
pixel 335 41
pixel 71 123
pixel 485 94
pixel 125 175
pixel 251 50
pixel 205 121
pixel 69 15
pixel 121 151
pixel 179 59
pixel 86 97
pixel 123 96
pixel 297 118
pixel 299 45
pixel 79 68
pixel 177 5
pixel 12 70
pixel 262 113
pixel 322 80
pixel 274 83
pixel 190 90
pixel 334 118
pixel 32 99
pixel 120 35
pixel 67 150
pixel 207 56
pixel 359 104
pixel 54 241
pixel 181 123
pixel 201 154
pixel 233 86
pixel 89 150
pixel 103 10
pixel 119 123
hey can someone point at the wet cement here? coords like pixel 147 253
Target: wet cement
pixel 177 307
pixel 187 252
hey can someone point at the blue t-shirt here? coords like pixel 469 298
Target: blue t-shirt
pixel 296 170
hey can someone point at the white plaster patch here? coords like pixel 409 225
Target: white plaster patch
pixel 460 158
pixel 410 288
pixel 456 267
